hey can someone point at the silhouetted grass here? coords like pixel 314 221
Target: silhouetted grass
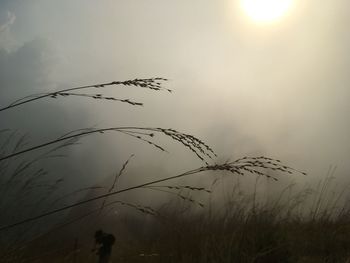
pixel 151 84
pixel 247 232
pixel 239 230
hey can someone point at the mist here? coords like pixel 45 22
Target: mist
pixel 276 90
pixel 245 89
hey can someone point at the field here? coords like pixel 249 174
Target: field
pixel 224 221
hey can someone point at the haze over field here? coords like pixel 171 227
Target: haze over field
pixel 264 84
pixel 278 89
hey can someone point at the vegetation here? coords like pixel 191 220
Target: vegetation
pixel 182 228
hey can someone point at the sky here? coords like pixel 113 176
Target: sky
pixel 277 89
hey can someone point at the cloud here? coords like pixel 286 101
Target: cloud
pixel 25 70
pixel 7 40
pixel 11 18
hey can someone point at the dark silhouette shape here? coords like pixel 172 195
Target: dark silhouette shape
pixel 105 242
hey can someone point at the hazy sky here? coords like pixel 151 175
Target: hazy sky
pixel 278 89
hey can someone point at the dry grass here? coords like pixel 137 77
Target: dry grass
pixel 240 230
pixel 243 230
pixel 151 84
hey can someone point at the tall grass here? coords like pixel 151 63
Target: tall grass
pixel 240 229
pixel 260 166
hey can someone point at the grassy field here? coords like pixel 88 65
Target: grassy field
pixel 196 224
pixel 308 226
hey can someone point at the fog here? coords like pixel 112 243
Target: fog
pixel 279 90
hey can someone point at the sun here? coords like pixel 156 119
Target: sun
pixel 266 11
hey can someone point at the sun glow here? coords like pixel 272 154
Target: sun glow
pixel 266 11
